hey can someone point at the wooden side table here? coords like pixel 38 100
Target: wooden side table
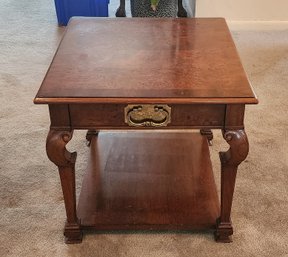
pixel 153 79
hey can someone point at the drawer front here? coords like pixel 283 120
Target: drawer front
pixel 146 116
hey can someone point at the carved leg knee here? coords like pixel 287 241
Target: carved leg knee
pixel 208 133
pixel 90 134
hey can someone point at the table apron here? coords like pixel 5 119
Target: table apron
pixel 112 116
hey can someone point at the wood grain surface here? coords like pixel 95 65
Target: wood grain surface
pixel 192 59
pixel 145 180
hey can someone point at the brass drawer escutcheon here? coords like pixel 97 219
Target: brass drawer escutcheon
pixel 147 115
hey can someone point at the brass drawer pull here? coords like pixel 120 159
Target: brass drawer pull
pixel 147 115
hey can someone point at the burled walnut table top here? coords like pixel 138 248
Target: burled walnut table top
pixel 192 60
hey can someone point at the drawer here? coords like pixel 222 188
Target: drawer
pixel 146 116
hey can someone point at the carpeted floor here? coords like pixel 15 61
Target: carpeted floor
pixel 31 204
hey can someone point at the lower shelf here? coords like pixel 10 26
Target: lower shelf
pixel 150 181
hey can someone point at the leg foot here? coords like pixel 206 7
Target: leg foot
pixel 73 233
pixel 223 233
pixel 181 11
pixel 121 12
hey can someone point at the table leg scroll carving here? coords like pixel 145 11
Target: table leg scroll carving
pixel 90 134
pixel 239 148
pixel 65 160
pixel 208 133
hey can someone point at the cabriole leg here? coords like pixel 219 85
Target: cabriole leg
pixel 58 154
pixel 230 160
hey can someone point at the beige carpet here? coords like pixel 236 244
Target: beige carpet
pixel 31 205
